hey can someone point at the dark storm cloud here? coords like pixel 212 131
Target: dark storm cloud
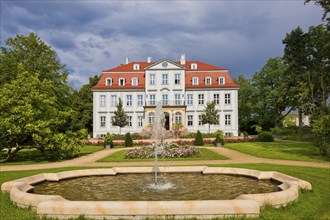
pixel 90 36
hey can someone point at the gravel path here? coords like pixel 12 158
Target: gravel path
pixel 235 157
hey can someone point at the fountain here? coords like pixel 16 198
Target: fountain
pixel 194 201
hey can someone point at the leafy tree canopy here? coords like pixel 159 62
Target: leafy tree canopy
pixel 120 117
pixel 210 115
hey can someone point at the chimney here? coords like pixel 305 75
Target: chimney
pixel 183 59
pixel 127 60
pixel 149 59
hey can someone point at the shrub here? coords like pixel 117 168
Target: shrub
pixel 199 139
pixel 265 136
pixel 108 140
pixel 128 140
pixel 219 138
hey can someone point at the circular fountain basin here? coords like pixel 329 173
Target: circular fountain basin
pixel 246 204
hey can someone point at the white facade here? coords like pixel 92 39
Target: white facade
pixel 183 88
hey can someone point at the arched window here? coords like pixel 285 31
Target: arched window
pixel 151 118
pixel 136 66
pixel 108 81
pixel 178 118
pixel 221 80
pixel 193 66
pixel 208 80
pixel 195 80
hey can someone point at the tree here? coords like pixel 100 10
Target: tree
pixel 245 102
pixel 128 140
pixel 325 4
pixel 120 118
pixel 211 115
pixel 199 139
pixel 30 117
pixel 321 130
pixel 273 93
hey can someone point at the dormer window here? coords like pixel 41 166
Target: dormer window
pixel 121 81
pixel 221 80
pixel 208 80
pixel 135 81
pixel 193 66
pixel 195 80
pixel 108 81
pixel 136 66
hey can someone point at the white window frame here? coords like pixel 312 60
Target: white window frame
pixel 221 80
pixel 129 100
pixel 164 79
pixel 121 81
pixel 165 99
pixel 135 81
pixel 190 98
pixel 140 121
pixel 200 99
pixel 129 120
pixel 152 101
pixel 178 118
pixel 195 80
pixel 151 117
pixel 216 98
pixel 136 66
pixel 113 100
pixel 152 80
pixel 108 81
pixel 103 121
pixel 200 122
pixel 208 80
pixel 177 78
pixel 190 120
pixel 193 66
pixel 227 120
pixel 177 99
pixel 103 101
pixel 227 99
pixel 140 100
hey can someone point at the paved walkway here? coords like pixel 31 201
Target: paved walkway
pixel 234 158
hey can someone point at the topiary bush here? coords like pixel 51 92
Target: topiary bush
pixel 265 136
pixel 108 140
pixel 128 140
pixel 199 139
pixel 219 138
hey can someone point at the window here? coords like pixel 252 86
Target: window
pixel 165 99
pixel 221 80
pixel 200 122
pixel 227 120
pixel 135 81
pixel 140 121
pixel 216 98
pixel 177 99
pixel 164 79
pixel 195 80
pixel 121 81
pixel 201 99
pixel 108 81
pixel 136 66
pixel 177 79
pixel 189 99
pixel 193 66
pixel 190 120
pixel 152 79
pixel 129 100
pixel 151 118
pixel 129 119
pixel 102 101
pixel 178 118
pixel 102 119
pixel 140 100
pixel 208 80
pixel 227 99
pixel 152 100
pixel 113 100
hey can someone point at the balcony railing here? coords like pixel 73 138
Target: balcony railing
pixel 166 103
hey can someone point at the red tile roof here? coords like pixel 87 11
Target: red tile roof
pixel 126 71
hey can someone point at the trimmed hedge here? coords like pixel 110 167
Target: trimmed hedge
pixel 199 139
pixel 265 136
pixel 128 140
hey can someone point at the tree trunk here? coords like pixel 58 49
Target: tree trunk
pixel 119 130
pixel 209 128
pixel 11 154
pixel 300 121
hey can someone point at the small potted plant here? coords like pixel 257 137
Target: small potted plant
pixel 108 143
pixel 219 139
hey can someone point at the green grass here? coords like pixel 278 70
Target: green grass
pixel 205 155
pixel 280 150
pixel 311 204
pixel 33 156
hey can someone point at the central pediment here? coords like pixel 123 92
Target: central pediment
pixel 165 64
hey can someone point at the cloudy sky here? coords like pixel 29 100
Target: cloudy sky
pixel 91 36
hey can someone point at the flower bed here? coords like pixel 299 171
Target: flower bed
pixel 169 150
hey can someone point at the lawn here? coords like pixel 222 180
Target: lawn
pixel 33 156
pixel 205 155
pixel 280 150
pixel 311 204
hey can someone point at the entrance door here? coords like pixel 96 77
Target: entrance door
pixel 167 121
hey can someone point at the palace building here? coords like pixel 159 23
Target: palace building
pixel 183 87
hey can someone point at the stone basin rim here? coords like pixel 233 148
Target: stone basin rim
pixel 243 205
